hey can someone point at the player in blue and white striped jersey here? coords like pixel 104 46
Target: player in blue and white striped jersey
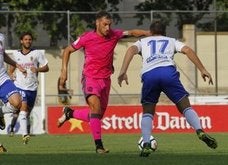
pixel 9 94
pixel 159 74
pixel 33 61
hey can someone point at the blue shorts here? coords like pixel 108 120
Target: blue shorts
pixel 6 90
pixel 162 79
pixel 28 96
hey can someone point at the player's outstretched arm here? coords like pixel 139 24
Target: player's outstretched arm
pixel 137 33
pixel 194 58
pixel 127 59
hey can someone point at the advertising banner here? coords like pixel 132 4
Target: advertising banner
pixel 127 119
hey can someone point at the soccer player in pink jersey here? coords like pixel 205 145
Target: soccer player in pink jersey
pixel 98 66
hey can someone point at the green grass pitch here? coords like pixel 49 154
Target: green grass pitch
pixel 173 149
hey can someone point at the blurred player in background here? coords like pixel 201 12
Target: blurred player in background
pixel 159 74
pixel 98 48
pixel 9 94
pixel 33 61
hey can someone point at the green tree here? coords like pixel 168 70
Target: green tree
pixel 79 22
pixel 184 5
pixel 56 23
pixel 222 18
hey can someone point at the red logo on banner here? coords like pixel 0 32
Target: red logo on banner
pixel 127 119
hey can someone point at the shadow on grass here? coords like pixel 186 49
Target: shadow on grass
pixel 155 158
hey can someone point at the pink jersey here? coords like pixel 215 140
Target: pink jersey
pixel 99 52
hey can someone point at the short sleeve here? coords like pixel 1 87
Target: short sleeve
pixel 79 42
pixel 42 59
pixel 179 45
pixel 118 33
pixel 139 45
pixel 2 40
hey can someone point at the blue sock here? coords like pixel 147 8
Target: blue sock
pixel 146 127
pixel 192 118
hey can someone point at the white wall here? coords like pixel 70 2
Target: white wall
pixel 205 49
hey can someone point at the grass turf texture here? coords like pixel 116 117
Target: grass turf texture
pixel 173 149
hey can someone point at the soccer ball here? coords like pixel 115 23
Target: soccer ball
pixel 153 143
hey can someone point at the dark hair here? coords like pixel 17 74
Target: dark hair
pixel 25 34
pixel 103 13
pixel 157 27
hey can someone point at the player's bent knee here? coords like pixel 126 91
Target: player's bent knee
pixel 16 105
pixel 16 101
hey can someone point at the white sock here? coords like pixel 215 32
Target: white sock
pixel 146 125
pixel 23 122
pixel 192 118
pixel 8 108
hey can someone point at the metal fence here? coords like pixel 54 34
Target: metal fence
pixel 69 24
pixel 211 21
